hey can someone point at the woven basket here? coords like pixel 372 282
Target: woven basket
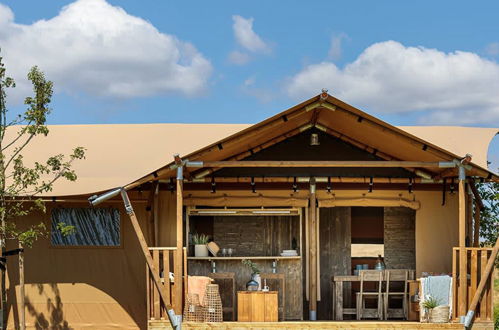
pixel 440 314
pixel 193 310
pixel 213 304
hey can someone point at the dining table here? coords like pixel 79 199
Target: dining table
pixel 339 282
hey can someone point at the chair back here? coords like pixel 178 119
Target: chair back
pixel 371 276
pixel 397 275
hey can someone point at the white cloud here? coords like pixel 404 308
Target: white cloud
pixel 239 58
pixel 94 47
pixel 335 50
pixel 458 87
pixel 246 37
pixel 492 49
pixel 261 94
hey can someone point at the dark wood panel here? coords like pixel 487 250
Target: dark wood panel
pixel 256 235
pixel 335 253
pixel 291 269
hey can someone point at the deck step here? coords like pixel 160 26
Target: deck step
pixel 347 325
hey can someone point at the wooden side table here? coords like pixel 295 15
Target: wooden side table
pixel 257 306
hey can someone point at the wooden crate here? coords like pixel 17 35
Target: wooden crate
pixel 257 306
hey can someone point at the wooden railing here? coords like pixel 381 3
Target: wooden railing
pixel 476 260
pixel 164 259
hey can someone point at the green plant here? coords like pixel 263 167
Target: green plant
pixel 430 303
pixel 200 239
pixel 22 183
pixel 250 264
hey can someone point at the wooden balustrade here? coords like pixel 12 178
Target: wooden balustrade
pixel 476 261
pixel 164 259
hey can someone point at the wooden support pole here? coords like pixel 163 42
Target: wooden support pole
pixel 22 296
pixel 177 303
pixel 313 253
pixel 150 263
pixel 155 215
pixel 481 286
pixel 150 214
pixel 469 216
pixel 463 273
pixel 476 231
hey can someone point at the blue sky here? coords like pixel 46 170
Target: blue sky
pixel 410 63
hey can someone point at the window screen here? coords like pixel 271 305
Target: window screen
pixel 93 226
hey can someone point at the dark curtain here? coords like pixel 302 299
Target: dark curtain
pixel 93 226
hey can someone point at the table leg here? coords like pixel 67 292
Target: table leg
pixel 338 287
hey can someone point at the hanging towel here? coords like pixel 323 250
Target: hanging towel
pixel 438 287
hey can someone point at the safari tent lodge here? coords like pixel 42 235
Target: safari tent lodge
pixel 347 218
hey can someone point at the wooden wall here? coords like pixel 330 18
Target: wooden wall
pixel 253 235
pixel 334 249
pixel 292 270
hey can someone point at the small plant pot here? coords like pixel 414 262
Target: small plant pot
pixel 200 250
pixel 439 314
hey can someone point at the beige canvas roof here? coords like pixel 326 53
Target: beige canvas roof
pixel 120 154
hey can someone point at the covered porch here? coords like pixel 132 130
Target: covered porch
pixel 321 178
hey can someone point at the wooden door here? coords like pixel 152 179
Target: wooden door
pixel 334 252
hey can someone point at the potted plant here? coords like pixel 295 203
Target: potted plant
pixel 435 313
pixel 255 282
pixel 200 248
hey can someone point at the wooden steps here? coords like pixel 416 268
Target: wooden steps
pixel 162 325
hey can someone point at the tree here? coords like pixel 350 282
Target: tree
pixel 21 185
pixel 489 215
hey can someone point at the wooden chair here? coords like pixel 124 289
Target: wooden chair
pixel 227 288
pixel 373 276
pixel 401 277
pixel 276 282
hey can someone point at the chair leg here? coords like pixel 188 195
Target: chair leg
pixel 380 307
pixel 385 307
pixel 404 306
pixel 359 307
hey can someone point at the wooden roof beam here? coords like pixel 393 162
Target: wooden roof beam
pixel 325 163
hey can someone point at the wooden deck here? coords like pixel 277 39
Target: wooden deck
pixel 162 325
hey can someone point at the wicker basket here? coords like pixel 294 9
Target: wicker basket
pixel 193 310
pixel 440 314
pixel 213 304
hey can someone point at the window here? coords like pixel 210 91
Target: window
pixel 93 227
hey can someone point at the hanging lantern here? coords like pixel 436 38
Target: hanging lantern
pixel 314 139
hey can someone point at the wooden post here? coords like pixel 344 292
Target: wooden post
pixel 150 263
pixel 22 310
pixel 469 216
pixel 155 214
pixel 476 232
pixel 313 253
pixel 177 302
pixel 463 273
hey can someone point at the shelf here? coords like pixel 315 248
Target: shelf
pixel 247 257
